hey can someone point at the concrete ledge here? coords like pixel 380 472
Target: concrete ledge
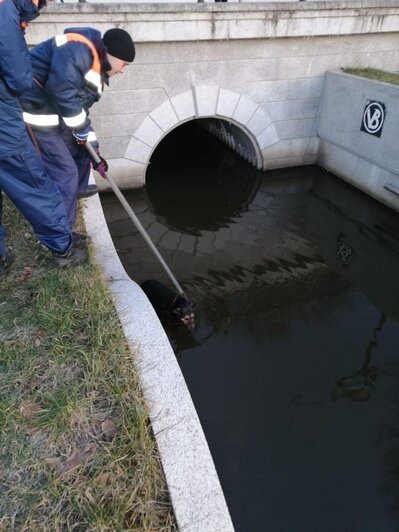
pixel 128 174
pixel 166 22
pixel 367 159
pixel 378 182
pixel 194 487
pixel 344 100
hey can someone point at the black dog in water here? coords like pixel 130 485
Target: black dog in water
pixel 171 308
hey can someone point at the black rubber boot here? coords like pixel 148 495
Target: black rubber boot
pixel 72 257
pixel 5 263
pixel 80 240
pixel 90 191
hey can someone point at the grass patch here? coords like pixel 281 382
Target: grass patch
pixel 76 447
pixel 372 73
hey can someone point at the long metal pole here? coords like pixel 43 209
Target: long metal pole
pixel 135 220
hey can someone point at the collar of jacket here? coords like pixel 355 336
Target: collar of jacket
pixel 96 75
pixel 94 37
pixel 28 10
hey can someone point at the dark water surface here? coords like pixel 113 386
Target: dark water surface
pixel 294 366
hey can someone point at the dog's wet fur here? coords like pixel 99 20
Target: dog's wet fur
pixel 170 307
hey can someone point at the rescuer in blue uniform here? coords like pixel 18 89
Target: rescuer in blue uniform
pixel 22 175
pixel 69 72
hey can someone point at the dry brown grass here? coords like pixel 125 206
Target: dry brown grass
pixel 76 447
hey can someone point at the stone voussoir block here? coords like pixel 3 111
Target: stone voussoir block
pixel 137 151
pixel 206 99
pixel 245 110
pixel 227 103
pixel 149 132
pixel 165 116
pixel 183 104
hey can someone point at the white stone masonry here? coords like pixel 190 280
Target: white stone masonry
pixel 258 66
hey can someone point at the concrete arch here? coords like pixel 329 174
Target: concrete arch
pixel 215 103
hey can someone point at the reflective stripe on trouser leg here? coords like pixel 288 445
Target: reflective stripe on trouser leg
pixel 34 193
pixel 60 165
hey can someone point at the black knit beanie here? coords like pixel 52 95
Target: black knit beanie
pixel 119 44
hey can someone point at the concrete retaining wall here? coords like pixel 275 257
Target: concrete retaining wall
pixel 258 66
pixel 359 138
pixel 198 501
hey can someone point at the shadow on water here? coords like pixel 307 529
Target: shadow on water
pixel 294 367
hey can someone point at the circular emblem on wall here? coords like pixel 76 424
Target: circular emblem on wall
pixel 345 253
pixel 373 118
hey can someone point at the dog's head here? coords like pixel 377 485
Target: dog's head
pixel 183 310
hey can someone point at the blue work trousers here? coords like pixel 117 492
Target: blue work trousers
pixel 67 163
pixel 36 196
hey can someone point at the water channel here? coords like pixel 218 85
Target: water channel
pixel 294 365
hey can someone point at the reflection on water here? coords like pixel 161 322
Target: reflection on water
pixel 294 367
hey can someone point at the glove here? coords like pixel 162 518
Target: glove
pixel 81 134
pixel 101 167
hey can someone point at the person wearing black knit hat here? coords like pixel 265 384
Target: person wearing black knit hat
pixel 119 45
pixel 70 72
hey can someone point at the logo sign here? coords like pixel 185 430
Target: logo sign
pixel 345 253
pixel 373 118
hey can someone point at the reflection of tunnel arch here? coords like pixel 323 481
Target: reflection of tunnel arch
pixel 188 162
pixel 235 119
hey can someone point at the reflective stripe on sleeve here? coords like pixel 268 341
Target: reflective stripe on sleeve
pixel 75 121
pixel 91 137
pixel 60 40
pixel 95 79
pixel 41 120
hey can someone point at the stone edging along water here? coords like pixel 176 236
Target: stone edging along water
pixel 193 484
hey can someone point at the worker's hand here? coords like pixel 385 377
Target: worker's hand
pixel 81 135
pixel 101 167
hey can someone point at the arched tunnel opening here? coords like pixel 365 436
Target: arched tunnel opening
pixel 226 132
pixel 193 159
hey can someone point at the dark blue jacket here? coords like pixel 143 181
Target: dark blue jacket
pixel 15 73
pixel 67 82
